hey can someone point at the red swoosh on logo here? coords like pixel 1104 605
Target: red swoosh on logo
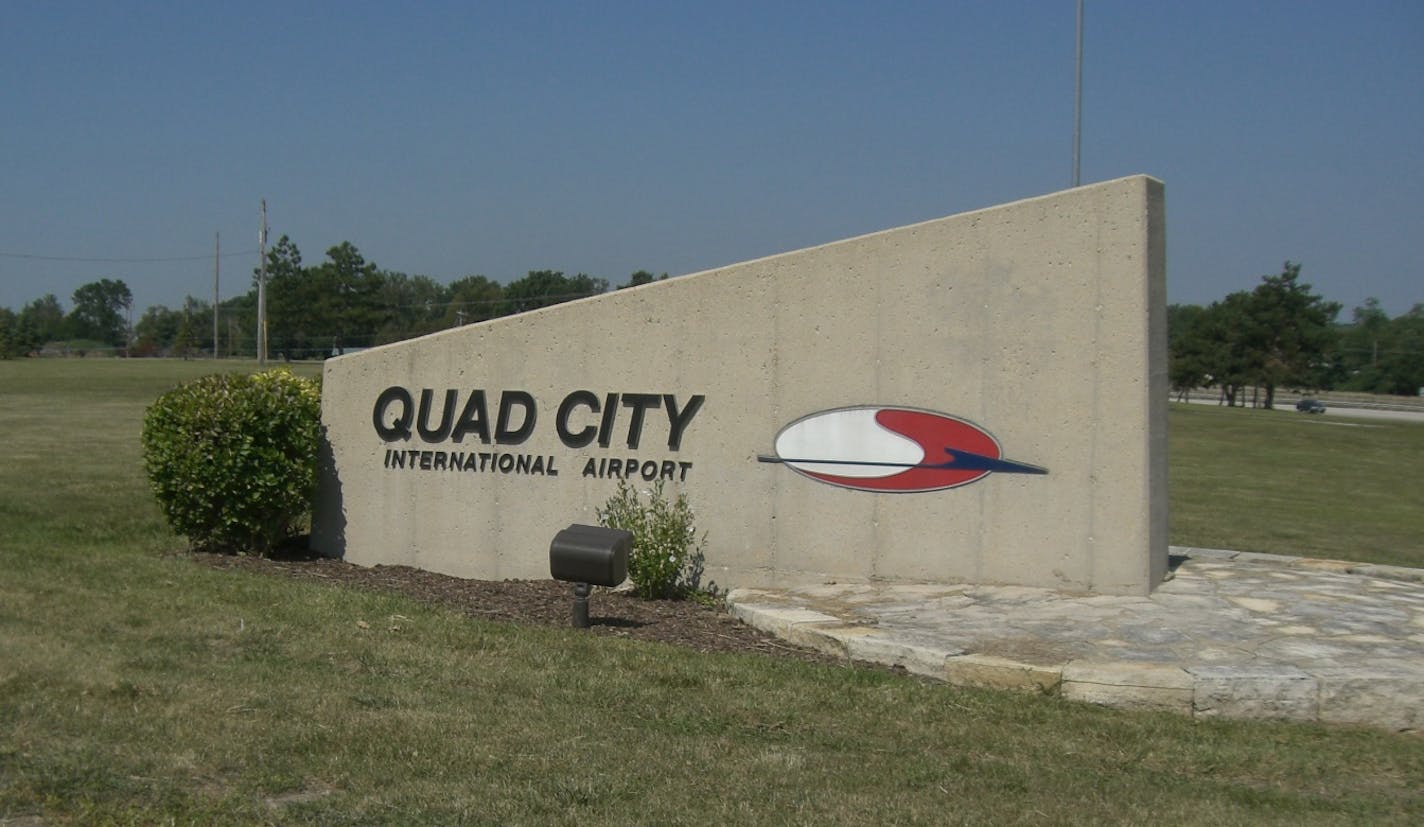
pixel 934 433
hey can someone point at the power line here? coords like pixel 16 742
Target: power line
pixel 559 297
pixel 119 260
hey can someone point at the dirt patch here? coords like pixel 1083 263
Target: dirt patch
pixel 703 626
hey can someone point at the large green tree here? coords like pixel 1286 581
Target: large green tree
pixel 1188 348
pixel 1231 349
pixel 1281 334
pixel 1291 331
pixel 9 334
pixel 1382 355
pixel 238 329
pixel 542 288
pixel 348 299
pixel 1404 363
pixel 156 330
pixel 641 277
pixel 18 336
pixel 312 311
pixel 291 316
pixel 45 318
pixel 413 306
pixel 200 312
pixel 184 339
pixel 100 312
pixel 473 299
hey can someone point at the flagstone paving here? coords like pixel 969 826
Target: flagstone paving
pixel 1230 634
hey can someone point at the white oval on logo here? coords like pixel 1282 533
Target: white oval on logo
pixel 849 435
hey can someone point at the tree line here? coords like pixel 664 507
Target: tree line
pixel 313 311
pixel 1283 335
pixel 1280 334
pixel 99 320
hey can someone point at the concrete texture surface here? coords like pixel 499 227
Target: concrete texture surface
pixel 1042 322
pixel 1231 634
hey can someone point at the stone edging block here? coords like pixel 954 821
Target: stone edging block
pixel 1254 692
pixel 992 672
pixel 1129 685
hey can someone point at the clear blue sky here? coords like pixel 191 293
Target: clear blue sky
pixel 460 138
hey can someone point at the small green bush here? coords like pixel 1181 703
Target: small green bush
pixel 232 458
pixel 666 560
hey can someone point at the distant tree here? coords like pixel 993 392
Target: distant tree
pixel 1222 337
pixel 1189 348
pixel 338 303
pixel 1404 363
pixel 17 335
pixel 183 339
pixel 413 306
pixel 472 299
pixel 1361 344
pixel 239 325
pixel 290 297
pixel 1291 331
pixel 543 288
pixel 1383 355
pixel 284 261
pixel 45 319
pixel 200 313
pixel 99 312
pixel 9 334
pixel 25 340
pixel 1278 335
pixel 157 329
pixel 641 277
pixel 347 305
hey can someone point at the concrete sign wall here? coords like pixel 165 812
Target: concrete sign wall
pixel 978 398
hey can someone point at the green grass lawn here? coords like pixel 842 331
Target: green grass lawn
pixel 1288 483
pixel 139 688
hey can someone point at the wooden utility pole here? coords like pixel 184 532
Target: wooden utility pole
pixel 262 289
pixel 217 255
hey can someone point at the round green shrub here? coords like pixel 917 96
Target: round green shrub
pixel 232 458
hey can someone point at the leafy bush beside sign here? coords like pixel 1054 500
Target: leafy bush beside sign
pixel 666 559
pixel 232 458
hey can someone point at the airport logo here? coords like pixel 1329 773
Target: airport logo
pixel 891 450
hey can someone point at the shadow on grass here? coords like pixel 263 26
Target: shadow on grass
pixel 616 622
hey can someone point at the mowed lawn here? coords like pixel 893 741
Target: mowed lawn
pixel 1291 483
pixel 139 688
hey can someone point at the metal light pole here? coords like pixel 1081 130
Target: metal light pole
pixel 262 290
pixel 1078 102
pixel 217 256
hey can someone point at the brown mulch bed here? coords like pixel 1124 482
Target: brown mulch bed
pixel 701 626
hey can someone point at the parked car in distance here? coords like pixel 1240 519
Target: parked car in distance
pixel 1310 406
